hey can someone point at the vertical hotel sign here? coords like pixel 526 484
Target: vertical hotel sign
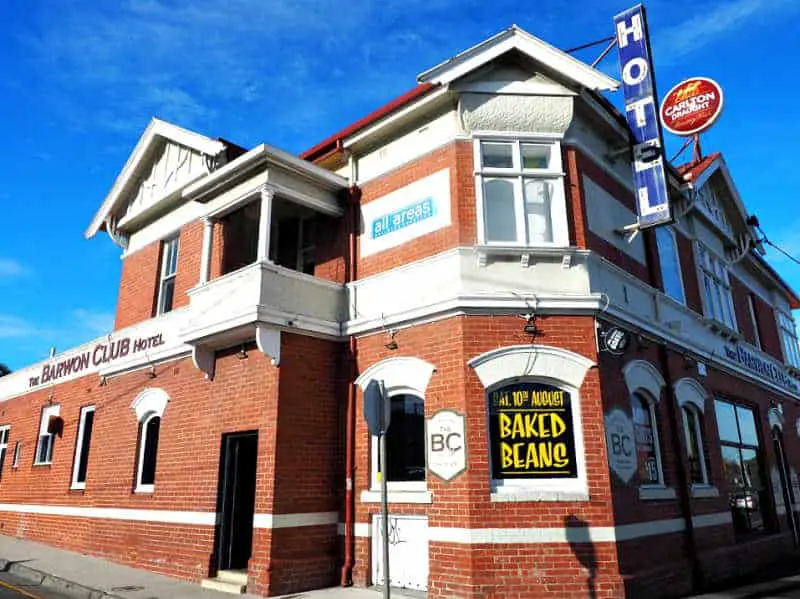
pixel 641 111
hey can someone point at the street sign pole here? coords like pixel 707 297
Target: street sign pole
pixel 384 516
pixel 378 414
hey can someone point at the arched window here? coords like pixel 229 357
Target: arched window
pixel 405 380
pixel 149 407
pixel 648 449
pixel 693 432
pixel 405 440
pixel 148 450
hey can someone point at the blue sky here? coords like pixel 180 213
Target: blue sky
pixel 82 78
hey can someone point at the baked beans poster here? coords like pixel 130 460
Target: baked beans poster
pixel 531 433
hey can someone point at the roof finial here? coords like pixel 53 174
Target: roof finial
pixel 698 152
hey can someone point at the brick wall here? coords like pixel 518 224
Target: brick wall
pixel 744 321
pixel 456 156
pixel 768 328
pixel 691 283
pixel 136 300
pixel 497 570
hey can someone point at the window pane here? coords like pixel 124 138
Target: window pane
pixel 497 155
pixel 535 156
pixel 645 441
pixel 150 450
pixel 726 421
pixel 500 214
pixel 694 446
pixel 747 426
pixel 537 210
pixel 670 264
pixel 86 442
pixel 405 440
pixel 167 295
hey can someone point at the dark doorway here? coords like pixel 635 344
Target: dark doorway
pixel 786 483
pixel 237 499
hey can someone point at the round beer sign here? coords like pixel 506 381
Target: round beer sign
pixel 691 106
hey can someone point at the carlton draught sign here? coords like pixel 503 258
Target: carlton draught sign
pixel 641 111
pixel 692 106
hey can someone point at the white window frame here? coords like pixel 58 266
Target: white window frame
pixel 47 413
pixel 5 432
pixel 17 454
pixel 651 403
pixel 712 268
pixel 698 431
pixel 76 484
pixel 555 174
pixel 677 258
pixel 145 488
pixel 394 486
pixel 788 332
pixel 751 309
pixel 165 276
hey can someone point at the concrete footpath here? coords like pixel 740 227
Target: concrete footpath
pixel 85 577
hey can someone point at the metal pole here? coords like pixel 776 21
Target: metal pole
pixel 385 516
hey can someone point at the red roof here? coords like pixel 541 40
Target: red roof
pixel 692 170
pixel 330 143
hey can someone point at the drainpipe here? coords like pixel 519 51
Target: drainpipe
pixel 684 484
pixel 354 198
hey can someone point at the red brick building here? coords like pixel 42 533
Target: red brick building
pixel 573 410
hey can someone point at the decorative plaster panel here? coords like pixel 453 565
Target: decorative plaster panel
pixel 534 114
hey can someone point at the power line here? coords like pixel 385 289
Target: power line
pixel 765 239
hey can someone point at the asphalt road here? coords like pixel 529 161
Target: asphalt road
pixel 12 587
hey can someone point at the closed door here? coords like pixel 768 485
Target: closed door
pixel 408 552
pixel 238 493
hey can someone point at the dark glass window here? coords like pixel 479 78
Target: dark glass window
pixel 644 428
pixel 694 446
pixel 169 269
pixel 747 493
pixel 149 449
pixel 240 237
pixel 84 442
pixel 405 440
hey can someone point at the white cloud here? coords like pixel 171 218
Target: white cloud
pixel 10 268
pixel 720 19
pixel 13 327
pixel 92 322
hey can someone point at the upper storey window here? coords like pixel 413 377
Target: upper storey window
pixel 520 193
pixel 791 350
pixel 169 269
pixel 717 298
pixel 670 264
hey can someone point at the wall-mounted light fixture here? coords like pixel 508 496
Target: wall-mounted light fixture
pixel 242 353
pixel 392 345
pixel 530 327
pixel 151 374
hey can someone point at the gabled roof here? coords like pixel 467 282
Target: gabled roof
pixel 331 142
pixel 516 38
pixel 692 170
pixel 513 38
pixel 155 130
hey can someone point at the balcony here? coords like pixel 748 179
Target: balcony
pixel 258 301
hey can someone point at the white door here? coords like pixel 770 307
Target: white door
pixel 408 551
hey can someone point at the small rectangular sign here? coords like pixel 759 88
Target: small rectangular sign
pixel 400 219
pixel 641 112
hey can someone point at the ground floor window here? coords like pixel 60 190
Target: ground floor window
pixel 693 432
pixel 647 445
pixel 741 457
pixel 405 440
pixel 148 451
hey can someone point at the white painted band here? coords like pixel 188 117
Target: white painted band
pixel 169 516
pixel 588 534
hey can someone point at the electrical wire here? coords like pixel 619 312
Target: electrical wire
pixel 590 44
pixel 764 239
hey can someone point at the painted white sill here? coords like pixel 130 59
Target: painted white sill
pixel 373 496
pixel 704 491
pixel 144 489
pixel 656 493
pixel 77 486
pixel 50 463
pixel 516 495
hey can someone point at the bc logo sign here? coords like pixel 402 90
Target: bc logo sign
pixel 447 454
pixel 641 111
pixel 621 444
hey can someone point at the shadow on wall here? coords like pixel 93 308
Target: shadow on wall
pixel 581 545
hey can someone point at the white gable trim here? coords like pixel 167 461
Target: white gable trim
pixel 150 401
pixel 643 375
pixel 517 361
pixel 688 390
pixel 515 38
pixel 399 375
pixel 156 128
